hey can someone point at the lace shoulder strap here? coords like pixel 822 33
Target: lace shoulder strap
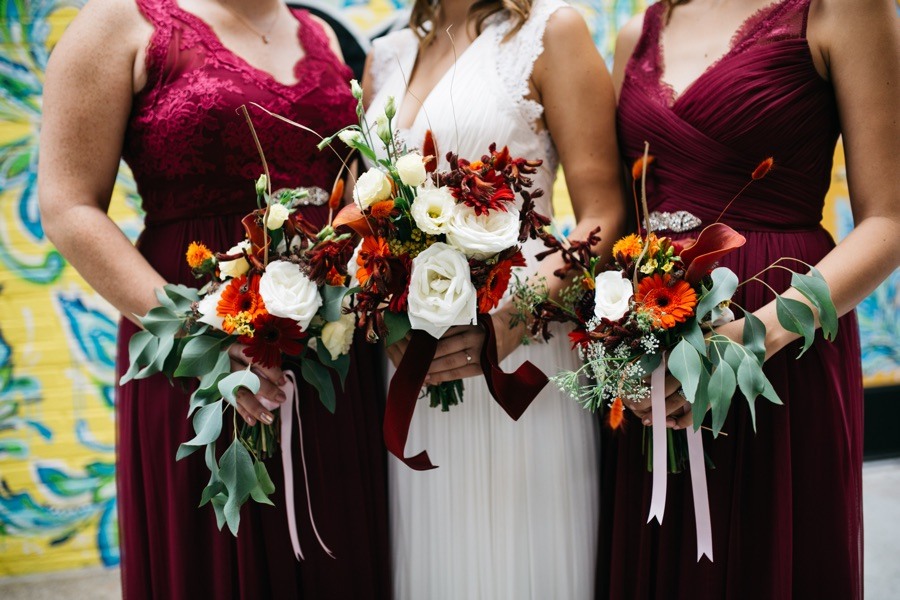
pixel 158 12
pixel 517 55
pixel 396 50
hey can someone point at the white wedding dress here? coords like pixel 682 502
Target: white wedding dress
pixel 511 511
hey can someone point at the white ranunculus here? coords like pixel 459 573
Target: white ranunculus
pixel 722 314
pixel 441 293
pixel 371 187
pixel 238 266
pixel 338 335
pixel 208 309
pixel 277 215
pixel 612 294
pixel 411 168
pixel 289 293
pixel 432 209
pixel 483 236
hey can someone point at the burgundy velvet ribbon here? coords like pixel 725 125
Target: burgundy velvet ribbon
pixel 403 393
pixel 514 392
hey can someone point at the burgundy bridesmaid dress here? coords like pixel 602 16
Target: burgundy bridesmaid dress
pixel 195 164
pixel 785 501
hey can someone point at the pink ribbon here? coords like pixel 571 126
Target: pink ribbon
pixel 658 424
pixel 288 408
pixel 701 495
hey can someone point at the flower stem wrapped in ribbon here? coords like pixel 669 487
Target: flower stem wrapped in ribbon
pixel 437 249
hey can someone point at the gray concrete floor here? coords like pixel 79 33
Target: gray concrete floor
pixel 881 481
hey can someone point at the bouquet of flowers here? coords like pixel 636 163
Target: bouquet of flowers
pixel 438 249
pixel 653 307
pixel 279 292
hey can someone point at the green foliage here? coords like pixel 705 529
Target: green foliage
pixel 816 290
pixel 332 301
pixel 200 355
pixel 397 325
pixel 724 284
pixel 237 473
pixel 230 384
pixel 318 377
pixel 685 365
pixel 796 317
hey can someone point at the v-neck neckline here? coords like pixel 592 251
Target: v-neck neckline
pixel 737 37
pixel 449 72
pixel 216 41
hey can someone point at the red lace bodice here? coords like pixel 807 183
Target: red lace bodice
pixel 191 151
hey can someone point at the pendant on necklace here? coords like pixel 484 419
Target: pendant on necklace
pixel 265 39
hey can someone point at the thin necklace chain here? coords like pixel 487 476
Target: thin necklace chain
pixel 263 36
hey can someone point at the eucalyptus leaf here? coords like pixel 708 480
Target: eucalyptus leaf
pixel 341 364
pixel 318 377
pixel 200 355
pixel 722 385
pixel 796 317
pixel 332 301
pixel 260 496
pixel 684 363
pixel 724 284
pixel 233 382
pixel 180 294
pixel 755 336
pixel 162 322
pixel 213 489
pixel 770 394
pixel 701 400
pixel 166 345
pixel 649 362
pixel 694 336
pixel 752 382
pixel 397 325
pixel 207 425
pixel 185 450
pixel 239 477
pixel 816 290
pixel 208 390
pixel 218 503
pixel 141 351
pixel 164 300
pixel 262 477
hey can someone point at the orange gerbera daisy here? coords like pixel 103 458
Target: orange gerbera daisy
pixel 241 295
pixel 381 210
pixel 668 302
pixel 629 246
pixel 197 254
pixel 497 282
pixel 371 258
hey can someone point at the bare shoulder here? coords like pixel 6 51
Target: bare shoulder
pixel 626 42
pixel 628 36
pixel 834 25
pixel 566 36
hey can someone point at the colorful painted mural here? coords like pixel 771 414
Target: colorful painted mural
pixel 57 337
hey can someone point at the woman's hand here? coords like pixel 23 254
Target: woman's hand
pixel 248 404
pixel 676 405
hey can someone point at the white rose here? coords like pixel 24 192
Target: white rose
pixel 432 209
pixel 371 187
pixel 483 236
pixel 441 293
pixel 288 293
pixel 208 307
pixel 238 266
pixel 612 294
pixel 277 215
pixel 338 335
pixel 411 168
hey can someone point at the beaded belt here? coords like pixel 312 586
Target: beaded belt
pixel 677 222
pixel 306 196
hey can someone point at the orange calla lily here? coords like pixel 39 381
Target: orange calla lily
pixel 714 242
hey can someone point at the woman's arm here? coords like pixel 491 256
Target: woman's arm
pixel 859 42
pixel 88 90
pixel 579 112
pixel 87 98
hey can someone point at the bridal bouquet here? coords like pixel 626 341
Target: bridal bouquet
pixel 279 292
pixel 437 250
